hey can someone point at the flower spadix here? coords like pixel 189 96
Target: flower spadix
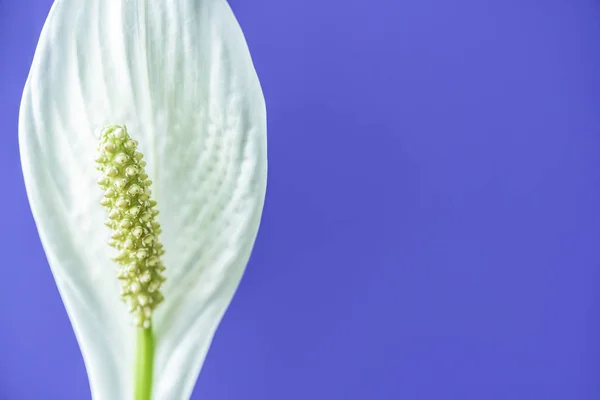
pixel 132 218
pixel 172 80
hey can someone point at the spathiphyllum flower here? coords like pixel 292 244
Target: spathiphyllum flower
pixel 132 107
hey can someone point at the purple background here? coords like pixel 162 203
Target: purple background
pixel 432 221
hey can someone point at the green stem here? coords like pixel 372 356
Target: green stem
pixel 144 364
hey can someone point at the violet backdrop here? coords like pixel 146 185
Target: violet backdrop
pixel 432 220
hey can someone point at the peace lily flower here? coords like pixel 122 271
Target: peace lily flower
pixel 132 107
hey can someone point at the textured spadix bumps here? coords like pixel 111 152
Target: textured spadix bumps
pixel 132 218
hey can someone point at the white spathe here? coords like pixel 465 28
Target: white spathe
pixel 179 74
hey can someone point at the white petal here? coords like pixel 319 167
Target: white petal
pixel 178 73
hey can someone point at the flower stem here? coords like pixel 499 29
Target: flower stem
pixel 144 364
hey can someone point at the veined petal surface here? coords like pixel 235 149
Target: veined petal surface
pixel 179 74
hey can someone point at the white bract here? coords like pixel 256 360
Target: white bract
pixel 179 75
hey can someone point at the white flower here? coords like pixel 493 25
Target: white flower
pixel 179 75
